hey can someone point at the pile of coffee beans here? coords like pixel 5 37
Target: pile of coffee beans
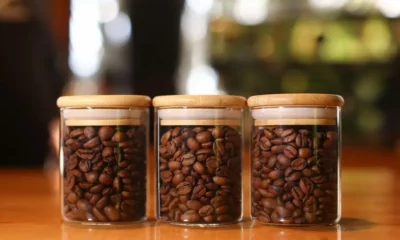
pixel 199 174
pixel 294 174
pixel 104 173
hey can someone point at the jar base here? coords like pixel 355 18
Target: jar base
pixel 105 224
pixel 261 223
pixel 200 225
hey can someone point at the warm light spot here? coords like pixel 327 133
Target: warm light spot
pixel 250 12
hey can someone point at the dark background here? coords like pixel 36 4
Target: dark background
pixel 34 70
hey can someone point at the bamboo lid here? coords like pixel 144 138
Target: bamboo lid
pixel 199 101
pixel 104 101
pixel 298 99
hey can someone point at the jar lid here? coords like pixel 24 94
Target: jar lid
pixel 298 99
pixel 199 101
pixel 104 101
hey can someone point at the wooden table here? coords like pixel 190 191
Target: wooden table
pixel 29 208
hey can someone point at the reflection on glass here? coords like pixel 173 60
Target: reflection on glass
pixel 333 232
pixel 142 231
pixel 229 232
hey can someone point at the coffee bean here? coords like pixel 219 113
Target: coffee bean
pixel 319 179
pixel 199 191
pixel 308 172
pixel 92 143
pixel 166 176
pixel 297 193
pixel 218 132
pixel 274 175
pixel 278 148
pixel 283 159
pixel 106 179
pixel 99 215
pixel 199 168
pixel 112 213
pixel 90 132
pixel 194 204
pixel 188 159
pixel 305 152
pixel 72 162
pixel 209 160
pixel 120 137
pixel 76 133
pixel 299 164
pixel 290 151
pixel 269 203
pixel 84 205
pixel 289 138
pixel 175 132
pixel 184 188
pixel 95 162
pixel 310 217
pixel 193 144
pixel 105 133
pixel 283 212
pixel 220 180
pixel 206 210
pixel 203 137
pixel 306 185
pixel 293 177
pixel 190 216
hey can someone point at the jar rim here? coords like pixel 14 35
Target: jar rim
pixel 199 101
pixel 296 99
pixel 104 101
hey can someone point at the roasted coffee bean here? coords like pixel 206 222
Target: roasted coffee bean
pixel 99 172
pixel 299 164
pixel 105 133
pixel 206 210
pixel 193 144
pixel 305 152
pixel 178 178
pixel 208 173
pixel 292 178
pixel 166 176
pixel 191 216
pixel 106 179
pixel 295 176
pixel 112 213
pixel 120 137
pixel 290 151
pixel 188 159
pixel 184 188
pixel 283 160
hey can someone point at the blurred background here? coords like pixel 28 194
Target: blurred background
pixel 50 48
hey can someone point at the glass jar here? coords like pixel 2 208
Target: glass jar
pixel 199 159
pixel 295 158
pixel 103 154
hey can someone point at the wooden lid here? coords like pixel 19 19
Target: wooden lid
pixel 104 101
pixel 199 101
pixel 298 99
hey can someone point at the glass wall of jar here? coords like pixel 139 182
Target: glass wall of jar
pixel 199 158
pixel 295 158
pixel 103 155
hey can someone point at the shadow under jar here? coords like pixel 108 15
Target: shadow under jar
pixel 295 158
pixel 103 154
pixel 199 157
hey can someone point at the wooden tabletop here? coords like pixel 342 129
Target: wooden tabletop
pixel 30 209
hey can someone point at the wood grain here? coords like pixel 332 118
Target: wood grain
pixel 199 101
pixel 296 99
pixel 30 207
